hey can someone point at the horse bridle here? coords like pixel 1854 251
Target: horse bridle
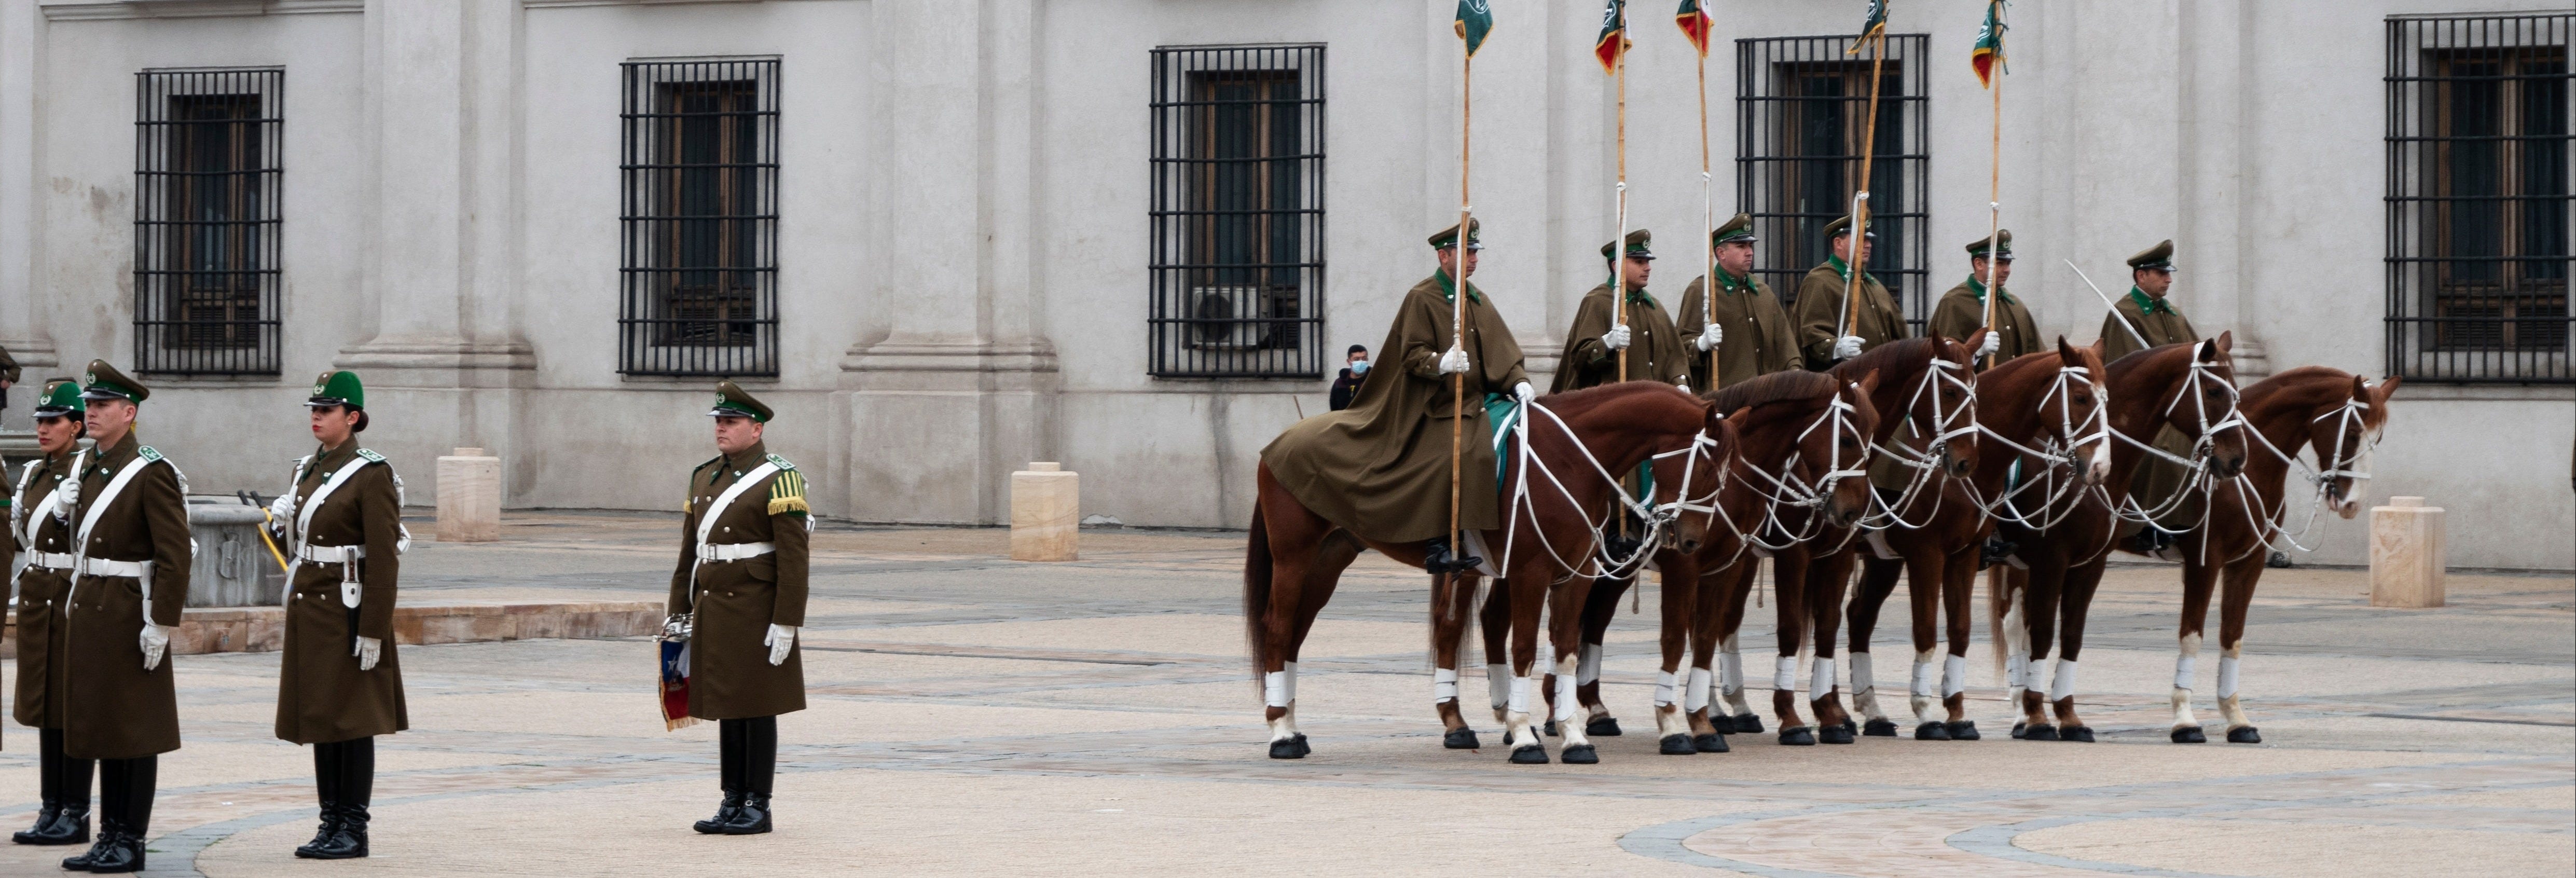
pixel 2202 373
pixel 2351 418
pixel 1788 489
pixel 1655 517
pixel 2059 450
pixel 1937 373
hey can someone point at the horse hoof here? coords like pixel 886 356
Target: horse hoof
pixel 1676 745
pixel 1579 754
pixel 1749 724
pixel 1461 739
pixel 1529 754
pixel 1963 730
pixel 1849 727
pixel 2189 735
pixel 1841 734
pixel 2039 733
pixel 1290 748
pixel 2021 730
pixel 2244 735
pixel 1549 730
pixel 1710 743
pixel 1797 736
pixel 1880 728
pixel 1931 732
pixel 2078 734
pixel 1602 727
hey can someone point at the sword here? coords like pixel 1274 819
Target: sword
pixel 2106 302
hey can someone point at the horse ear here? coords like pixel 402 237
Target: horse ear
pixel 1976 339
pixel 2066 352
pixel 1868 384
pixel 2387 388
pixel 1739 413
pixel 2226 341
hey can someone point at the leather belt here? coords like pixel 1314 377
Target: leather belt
pixel 733 551
pixel 104 567
pixel 58 561
pixel 331 554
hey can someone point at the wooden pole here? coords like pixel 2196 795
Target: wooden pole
pixel 1458 294
pixel 1860 202
pixel 1708 223
pixel 1619 245
pixel 1994 209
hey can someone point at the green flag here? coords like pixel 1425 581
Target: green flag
pixel 1989 49
pixel 1870 27
pixel 1475 20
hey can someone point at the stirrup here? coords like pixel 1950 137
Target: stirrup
pixel 1438 561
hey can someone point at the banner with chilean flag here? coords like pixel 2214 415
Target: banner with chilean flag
pixel 1693 19
pixel 1475 20
pixel 1871 26
pixel 1612 45
pixel 1989 51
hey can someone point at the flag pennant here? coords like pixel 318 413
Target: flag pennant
pixel 1475 20
pixel 1870 27
pixel 1613 42
pixel 1989 52
pixel 1693 19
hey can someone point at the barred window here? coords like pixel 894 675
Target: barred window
pixel 206 176
pixel 700 219
pixel 1802 109
pixel 1238 212
pixel 2478 198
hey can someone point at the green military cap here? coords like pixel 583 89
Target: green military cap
pixel 1448 237
pixel 2003 246
pixel 732 400
pixel 1640 245
pixel 107 383
pixel 62 396
pixel 1842 226
pixel 336 388
pixel 2158 257
pixel 1738 229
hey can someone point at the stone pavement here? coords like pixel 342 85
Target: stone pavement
pixel 971 715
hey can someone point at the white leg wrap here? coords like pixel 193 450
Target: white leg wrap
pixel 1695 695
pixel 1820 681
pixel 1565 702
pixel 1292 683
pixel 1588 670
pixel 2183 670
pixel 1862 679
pixel 1519 701
pixel 1924 679
pixel 1667 688
pixel 1954 675
pixel 2064 684
pixel 1730 672
pixel 2017 670
pixel 1546 663
pixel 1444 685
pixel 1784 676
pixel 2226 676
pixel 1498 683
pixel 1274 689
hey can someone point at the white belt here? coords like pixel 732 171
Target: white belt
pixel 331 554
pixel 52 560
pixel 733 551
pixel 104 567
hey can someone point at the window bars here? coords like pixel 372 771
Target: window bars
pixel 1802 110
pixel 699 271
pixel 2478 198
pixel 1237 268
pixel 206 174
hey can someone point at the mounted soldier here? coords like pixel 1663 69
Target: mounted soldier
pixel 1962 310
pixel 40 526
pixel 1746 311
pixel 1825 335
pixel 2149 315
pixel 737 598
pixel 1653 346
pixel 339 683
pixel 1381 468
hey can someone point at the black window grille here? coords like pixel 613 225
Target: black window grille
pixel 206 177
pixel 700 218
pixel 1238 212
pixel 2478 198
pixel 1802 110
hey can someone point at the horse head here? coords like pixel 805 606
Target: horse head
pixel 2202 403
pixel 2351 426
pixel 1688 478
pixel 1952 396
pixel 2078 404
pixel 1842 447
pixel 1932 381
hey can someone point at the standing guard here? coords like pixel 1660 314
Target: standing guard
pixel 339 683
pixel 2148 311
pixel 737 599
pixel 1746 311
pixel 1592 347
pixel 1962 310
pixel 1822 335
pixel 133 555
pixel 40 525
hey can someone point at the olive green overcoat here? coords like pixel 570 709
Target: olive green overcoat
pixel 730 676
pixel 1758 337
pixel 42 592
pixel 115 709
pixel 2157 478
pixel 1655 348
pixel 1820 314
pixel 1962 311
pixel 321 695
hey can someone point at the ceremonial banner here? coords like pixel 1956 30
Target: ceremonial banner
pixel 1475 20
pixel 675 686
pixel 1989 50
pixel 1614 36
pixel 1693 19
pixel 1870 27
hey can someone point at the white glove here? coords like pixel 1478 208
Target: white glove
pixel 282 509
pixel 155 642
pixel 1617 338
pixel 1524 392
pixel 781 639
pixel 1454 362
pixel 1685 386
pixel 369 651
pixel 1709 336
pixel 1994 342
pixel 1847 347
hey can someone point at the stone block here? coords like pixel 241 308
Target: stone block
pixel 469 497
pixel 263 629
pixel 1046 513
pixel 2407 545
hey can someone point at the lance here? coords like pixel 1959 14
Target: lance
pixel 1708 210
pixel 2106 302
pixel 1619 245
pixel 1860 199
pixel 1458 296
pixel 1995 186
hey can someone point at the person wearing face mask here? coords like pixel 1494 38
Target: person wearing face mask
pixel 1355 372
pixel 40 525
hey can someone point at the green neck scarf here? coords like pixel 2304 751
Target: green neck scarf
pixel 1639 297
pixel 1732 284
pixel 2149 304
pixel 1843 269
pixel 1449 289
pixel 1978 288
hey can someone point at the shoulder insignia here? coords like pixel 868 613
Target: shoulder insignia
pixel 370 455
pixel 781 462
pixel 147 453
pixel 787 494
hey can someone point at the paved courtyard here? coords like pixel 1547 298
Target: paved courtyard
pixel 971 715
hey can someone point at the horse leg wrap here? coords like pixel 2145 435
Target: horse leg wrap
pixel 1498 683
pixel 2183 670
pixel 1784 676
pixel 1695 695
pixel 1520 697
pixel 2063 686
pixel 1730 672
pixel 1954 675
pixel 1274 689
pixel 1292 685
pixel 2226 676
pixel 1920 691
pixel 1444 685
pixel 1667 689
pixel 1587 670
pixel 1566 705
pixel 1865 687
pixel 1820 681
pixel 2016 670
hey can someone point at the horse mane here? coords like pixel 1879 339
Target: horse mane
pixel 1573 402
pixel 1785 386
pixel 1886 357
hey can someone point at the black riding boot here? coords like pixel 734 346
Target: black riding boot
pixel 49 758
pixel 128 785
pixel 356 782
pixel 65 787
pixel 326 788
pixel 1437 559
pixel 729 741
pixel 111 815
pixel 759 767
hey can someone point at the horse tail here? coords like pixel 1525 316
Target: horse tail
pixel 1998 600
pixel 1256 594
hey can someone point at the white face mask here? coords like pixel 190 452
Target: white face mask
pixel 1359 367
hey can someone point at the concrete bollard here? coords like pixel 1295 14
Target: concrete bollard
pixel 469 497
pixel 2406 549
pixel 1046 513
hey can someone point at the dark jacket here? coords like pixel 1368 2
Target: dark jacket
pixel 321 694
pixel 115 708
pixel 730 676
pixel 1344 388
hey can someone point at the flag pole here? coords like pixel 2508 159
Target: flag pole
pixel 1860 201
pixel 1994 203
pixel 1708 211
pixel 1619 245
pixel 1458 296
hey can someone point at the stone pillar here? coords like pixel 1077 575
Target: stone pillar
pixel 2406 549
pixel 20 22
pixel 1046 513
pixel 469 497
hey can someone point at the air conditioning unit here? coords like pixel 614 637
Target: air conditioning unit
pixel 1226 318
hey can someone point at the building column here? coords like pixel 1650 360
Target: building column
pixel 2219 165
pixel 19 22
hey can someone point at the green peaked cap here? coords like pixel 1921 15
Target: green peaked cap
pixel 107 383
pixel 732 400
pixel 338 387
pixel 62 396
pixel 1738 229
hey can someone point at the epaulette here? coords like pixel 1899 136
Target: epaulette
pixel 371 455
pixel 147 453
pixel 787 492
pixel 781 462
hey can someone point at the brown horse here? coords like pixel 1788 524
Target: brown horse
pixel 2339 413
pixel 2060 548
pixel 1937 538
pixel 1554 478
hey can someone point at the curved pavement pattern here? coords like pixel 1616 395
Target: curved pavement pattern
pixel 974 716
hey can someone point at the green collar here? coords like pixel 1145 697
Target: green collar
pixel 1639 297
pixel 1449 290
pixel 1978 288
pixel 2148 304
pixel 1732 284
pixel 1843 269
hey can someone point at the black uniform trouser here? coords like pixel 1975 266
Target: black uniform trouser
pixel 61 780
pixel 125 794
pixel 750 753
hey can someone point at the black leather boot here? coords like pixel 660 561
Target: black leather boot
pixel 49 759
pixel 357 783
pixel 759 769
pixel 1437 559
pixel 72 776
pixel 111 815
pixel 326 788
pixel 132 780
pixel 729 737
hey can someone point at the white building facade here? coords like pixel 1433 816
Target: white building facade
pixel 946 237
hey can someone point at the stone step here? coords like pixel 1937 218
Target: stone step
pixel 263 629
